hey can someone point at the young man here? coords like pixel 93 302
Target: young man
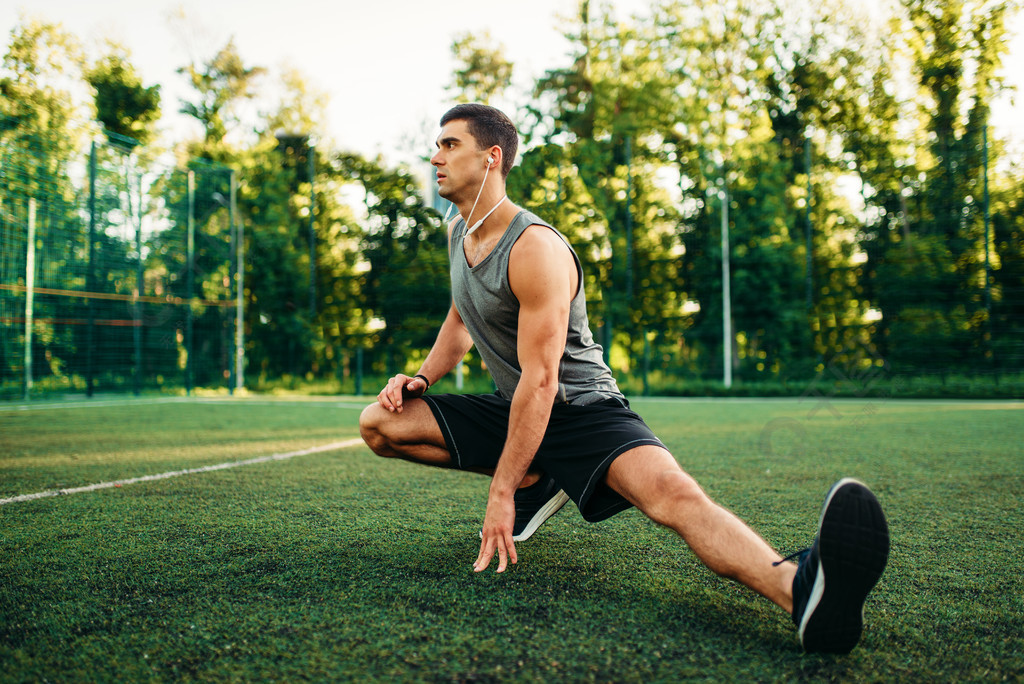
pixel 558 426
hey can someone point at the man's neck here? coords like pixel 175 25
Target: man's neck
pixel 491 208
pixel 480 242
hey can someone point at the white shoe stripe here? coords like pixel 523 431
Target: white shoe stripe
pixel 545 512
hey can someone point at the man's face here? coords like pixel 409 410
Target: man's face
pixel 459 162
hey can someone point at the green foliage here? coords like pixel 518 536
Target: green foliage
pixel 126 108
pixel 278 324
pixel 928 264
pixel 754 98
pixel 38 143
pixel 484 72
pixel 859 229
pixel 40 62
pixel 220 84
pixel 403 275
pixel 1007 320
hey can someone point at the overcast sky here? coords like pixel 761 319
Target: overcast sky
pixel 383 63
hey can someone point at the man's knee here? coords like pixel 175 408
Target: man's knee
pixel 675 493
pixel 371 422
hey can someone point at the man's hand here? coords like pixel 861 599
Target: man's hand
pixel 497 532
pixel 398 389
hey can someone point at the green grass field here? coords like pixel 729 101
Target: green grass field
pixel 339 565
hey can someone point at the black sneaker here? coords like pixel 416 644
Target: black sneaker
pixel 534 505
pixel 834 576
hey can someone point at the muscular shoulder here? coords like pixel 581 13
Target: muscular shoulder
pixel 540 259
pixel 540 243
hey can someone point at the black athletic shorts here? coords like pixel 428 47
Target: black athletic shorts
pixel 578 446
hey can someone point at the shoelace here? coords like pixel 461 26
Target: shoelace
pixel 790 557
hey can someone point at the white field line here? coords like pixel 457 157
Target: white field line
pixel 284 402
pixel 188 471
pixel 107 403
pixel 98 403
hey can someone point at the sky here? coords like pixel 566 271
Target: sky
pixel 383 63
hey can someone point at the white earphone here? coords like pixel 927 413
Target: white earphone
pixel 487 169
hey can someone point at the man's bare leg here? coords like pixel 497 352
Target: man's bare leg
pixel 412 435
pixel 651 479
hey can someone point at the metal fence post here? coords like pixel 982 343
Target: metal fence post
pixel 312 234
pixel 629 224
pixel 809 229
pixel 646 366
pixel 987 220
pixel 90 279
pixel 726 291
pixel 30 286
pixel 140 277
pixel 189 279
pixel 239 233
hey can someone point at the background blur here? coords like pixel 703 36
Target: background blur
pixel 766 199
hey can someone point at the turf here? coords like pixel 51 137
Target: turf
pixel 342 566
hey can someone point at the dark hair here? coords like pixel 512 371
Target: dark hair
pixel 490 127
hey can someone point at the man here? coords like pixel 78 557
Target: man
pixel 559 428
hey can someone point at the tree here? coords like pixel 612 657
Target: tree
pixel 38 141
pixel 221 85
pixel 607 111
pixel 956 48
pixel 278 202
pixel 125 107
pixel 279 332
pixel 301 109
pixel 41 63
pixel 1006 323
pixel 483 72
pixel 829 97
pixel 403 276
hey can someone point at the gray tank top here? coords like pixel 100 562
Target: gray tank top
pixel 491 313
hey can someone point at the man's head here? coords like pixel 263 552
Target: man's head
pixel 490 127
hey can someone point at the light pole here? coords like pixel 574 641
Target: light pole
pixel 726 287
pixel 238 231
pixel 311 153
pixel 809 225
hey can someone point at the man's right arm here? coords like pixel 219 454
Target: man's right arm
pixel 452 344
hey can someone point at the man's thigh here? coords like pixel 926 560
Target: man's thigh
pixel 640 475
pixel 414 432
pixel 580 445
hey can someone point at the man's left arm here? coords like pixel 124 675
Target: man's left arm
pixel 541 273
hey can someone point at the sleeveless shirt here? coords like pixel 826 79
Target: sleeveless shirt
pixel 490 310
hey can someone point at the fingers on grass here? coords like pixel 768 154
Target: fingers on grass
pixel 505 550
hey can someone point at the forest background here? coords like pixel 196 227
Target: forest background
pixel 765 200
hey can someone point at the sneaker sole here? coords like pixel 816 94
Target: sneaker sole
pixel 546 511
pixel 853 548
pixel 553 505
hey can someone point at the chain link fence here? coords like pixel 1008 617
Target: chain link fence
pixel 114 277
pixel 117 274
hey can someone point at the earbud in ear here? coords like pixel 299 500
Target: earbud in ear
pixel 490 160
